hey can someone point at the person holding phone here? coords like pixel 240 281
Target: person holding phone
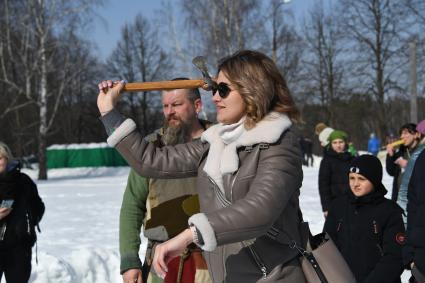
pixel 21 209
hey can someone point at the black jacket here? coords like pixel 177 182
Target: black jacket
pixel 333 176
pixel 394 170
pixel 28 208
pixel 416 215
pixel 369 232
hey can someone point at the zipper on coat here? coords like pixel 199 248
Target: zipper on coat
pixel 231 187
pixel 376 233
pixel 338 226
pixel 225 202
pixel 258 260
pixel 3 228
pixel 219 194
pixel 28 224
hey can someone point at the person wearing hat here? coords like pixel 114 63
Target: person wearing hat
pixel 366 227
pixel 323 132
pixel 333 180
pixel 397 158
pixel 414 251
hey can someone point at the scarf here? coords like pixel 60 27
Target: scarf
pixel 225 140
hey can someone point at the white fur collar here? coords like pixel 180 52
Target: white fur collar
pixel 223 159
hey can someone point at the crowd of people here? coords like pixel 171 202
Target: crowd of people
pixel 220 202
pixel 368 229
pixel 248 170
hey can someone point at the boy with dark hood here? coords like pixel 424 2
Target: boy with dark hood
pixel 366 227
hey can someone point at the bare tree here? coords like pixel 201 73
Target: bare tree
pixel 418 9
pixel 286 43
pixel 376 29
pixel 323 64
pixel 139 57
pixel 220 27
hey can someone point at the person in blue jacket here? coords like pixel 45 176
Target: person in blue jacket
pixel 373 145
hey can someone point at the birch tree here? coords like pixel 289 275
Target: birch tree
pixel 32 44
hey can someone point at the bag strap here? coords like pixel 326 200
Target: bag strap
pixel 312 260
pixel 283 238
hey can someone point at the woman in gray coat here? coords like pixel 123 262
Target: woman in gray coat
pixel 249 173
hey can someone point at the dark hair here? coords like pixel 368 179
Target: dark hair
pixel 262 87
pixel 410 127
pixel 192 94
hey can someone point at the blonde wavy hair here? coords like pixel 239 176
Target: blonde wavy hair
pixel 5 151
pixel 262 87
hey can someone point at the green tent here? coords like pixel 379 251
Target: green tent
pixel 83 155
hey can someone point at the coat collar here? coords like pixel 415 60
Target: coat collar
pixel 223 158
pixel 268 130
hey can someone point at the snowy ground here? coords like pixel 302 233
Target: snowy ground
pixel 79 239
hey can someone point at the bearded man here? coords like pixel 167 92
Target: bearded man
pixel 162 207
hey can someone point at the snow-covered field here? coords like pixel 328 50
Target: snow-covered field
pixel 79 239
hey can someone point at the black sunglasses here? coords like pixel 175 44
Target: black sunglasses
pixel 222 88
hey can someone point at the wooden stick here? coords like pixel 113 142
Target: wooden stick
pixel 164 85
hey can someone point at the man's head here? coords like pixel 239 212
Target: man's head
pixel 409 135
pixel 180 108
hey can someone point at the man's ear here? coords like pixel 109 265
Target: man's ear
pixel 198 105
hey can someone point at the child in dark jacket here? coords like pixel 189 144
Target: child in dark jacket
pixel 366 227
pixel 333 179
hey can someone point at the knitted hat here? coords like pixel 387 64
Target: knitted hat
pixel 338 135
pixel 319 128
pixel 370 167
pixel 421 127
pixel 324 135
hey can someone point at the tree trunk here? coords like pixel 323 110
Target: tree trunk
pixel 42 171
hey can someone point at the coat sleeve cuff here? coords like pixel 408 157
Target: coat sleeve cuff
pixel 112 120
pixel 130 261
pixel 203 226
pixel 121 132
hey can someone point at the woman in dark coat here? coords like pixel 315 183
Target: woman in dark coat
pixel 20 211
pixel 333 180
pixel 366 227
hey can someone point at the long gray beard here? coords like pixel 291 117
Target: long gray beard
pixel 175 135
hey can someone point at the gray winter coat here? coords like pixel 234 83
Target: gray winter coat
pixel 263 192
